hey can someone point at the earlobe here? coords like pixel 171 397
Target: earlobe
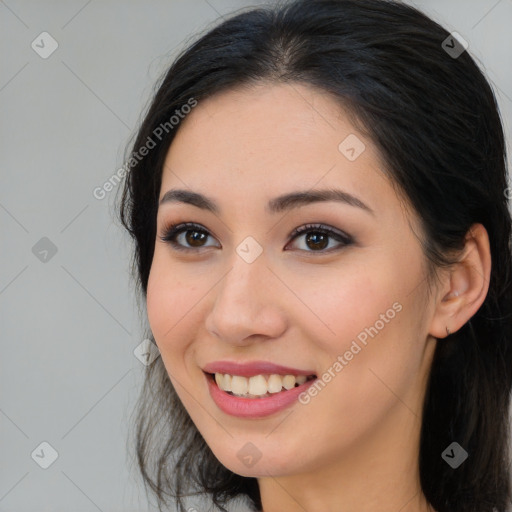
pixel 465 287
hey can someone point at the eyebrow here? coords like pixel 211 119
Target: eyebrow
pixel 276 205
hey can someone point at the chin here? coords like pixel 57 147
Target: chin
pixel 257 459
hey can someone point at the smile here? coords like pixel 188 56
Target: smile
pixel 256 389
pixel 258 386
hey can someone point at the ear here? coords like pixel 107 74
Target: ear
pixel 465 287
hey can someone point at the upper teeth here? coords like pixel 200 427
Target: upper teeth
pixel 257 385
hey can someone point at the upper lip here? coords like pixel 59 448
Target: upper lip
pixel 251 368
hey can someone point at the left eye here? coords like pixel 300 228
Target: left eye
pixel 317 236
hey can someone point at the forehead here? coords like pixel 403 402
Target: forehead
pixel 276 117
pixel 269 139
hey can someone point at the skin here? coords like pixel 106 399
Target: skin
pixel 354 446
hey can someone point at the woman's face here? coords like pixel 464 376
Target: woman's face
pixel 352 309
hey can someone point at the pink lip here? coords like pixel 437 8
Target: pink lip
pixel 253 368
pixel 252 408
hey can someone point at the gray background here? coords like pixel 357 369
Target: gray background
pixel 69 325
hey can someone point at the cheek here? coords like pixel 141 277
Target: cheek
pixel 176 298
pixel 160 302
pixel 169 303
pixel 341 303
pixel 370 318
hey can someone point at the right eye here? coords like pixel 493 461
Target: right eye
pixel 193 234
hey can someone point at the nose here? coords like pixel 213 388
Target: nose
pixel 247 305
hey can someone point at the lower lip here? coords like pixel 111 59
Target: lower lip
pixel 254 407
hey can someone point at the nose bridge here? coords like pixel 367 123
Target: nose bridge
pixel 243 285
pixel 242 305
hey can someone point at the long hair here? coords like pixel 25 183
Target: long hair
pixel 435 120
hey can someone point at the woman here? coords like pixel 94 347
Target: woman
pixel 322 240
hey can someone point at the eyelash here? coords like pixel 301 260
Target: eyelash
pixel 171 231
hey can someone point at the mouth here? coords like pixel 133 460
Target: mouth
pixel 257 386
pixel 255 389
pixel 257 396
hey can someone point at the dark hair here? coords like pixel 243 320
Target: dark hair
pixel 436 123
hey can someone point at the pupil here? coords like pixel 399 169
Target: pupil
pixel 192 240
pixel 314 238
